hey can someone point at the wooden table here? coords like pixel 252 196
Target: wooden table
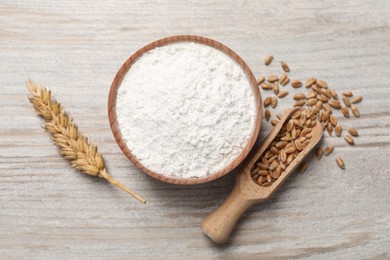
pixel 49 211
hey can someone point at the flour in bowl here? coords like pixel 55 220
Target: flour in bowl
pixel 186 110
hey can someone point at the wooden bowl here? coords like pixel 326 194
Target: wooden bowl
pixel 165 41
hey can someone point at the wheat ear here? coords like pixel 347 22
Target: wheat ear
pixel 71 144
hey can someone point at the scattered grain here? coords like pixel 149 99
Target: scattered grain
pixel 340 163
pixel 266 86
pixel 272 78
pixel 296 83
pixel 355 111
pixel 335 104
pixel 299 103
pixel 347 93
pixel 338 130
pixel 285 82
pixel 282 94
pixel 353 131
pixel 357 99
pixel 333 93
pixel 310 82
pixel 321 83
pixel 345 112
pixel 324 99
pixel 311 94
pixel 299 96
pixel 346 101
pixel 267 101
pixel 349 139
pixel 311 102
pixel 285 66
pixel 282 77
pixel 333 120
pixel 268 59
pixel 275 88
pixel 329 149
pixel 274 102
pixel 316 88
pixel 267 114
pixel 329 128
pixel 260 80
pixel 319 105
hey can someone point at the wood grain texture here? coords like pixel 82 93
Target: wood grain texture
pixel 49 211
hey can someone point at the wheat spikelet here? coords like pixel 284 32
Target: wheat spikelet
pixel 71 144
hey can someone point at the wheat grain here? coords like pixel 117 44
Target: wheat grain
pixel 321 83
pixel 357 99
pixel 324 99
pixel 355 111
pixel 267 114
pixel 272 78
pixel 333 120
pixel 340 163
pixel 335 104
pixel 329 149
pixel 282 94
pixel 274 102
pixel 260 80
pixel 72 145
pixel 299 103
pixel 299 96
pixel 285 67
pixel 325 92
pixel 338 130
pixel 346 101
pixel 333 93
pixel 316 88
pixel 268 59
pixel 310 82
pixel 329 128
pixel 282 77
pixel 296 83
pixel 267 101
pixel 353 131
pixel 349 139
pixel 275 88
pixel 347 93
pixel 266 86
pixel 311 94
pixel 311 102
pixel 285 81
pixel 345 112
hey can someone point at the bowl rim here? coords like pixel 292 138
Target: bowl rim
pixel 117 81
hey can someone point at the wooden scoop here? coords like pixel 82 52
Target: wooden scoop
pixel 219 224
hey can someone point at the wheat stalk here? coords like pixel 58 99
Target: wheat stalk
pixel 71 144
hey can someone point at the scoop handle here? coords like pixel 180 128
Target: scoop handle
pixel 220 223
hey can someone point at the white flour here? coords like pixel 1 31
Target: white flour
pixel 185 110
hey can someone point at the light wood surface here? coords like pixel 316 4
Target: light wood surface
pixel 219 224
pixel 49 211
pixel 112 116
